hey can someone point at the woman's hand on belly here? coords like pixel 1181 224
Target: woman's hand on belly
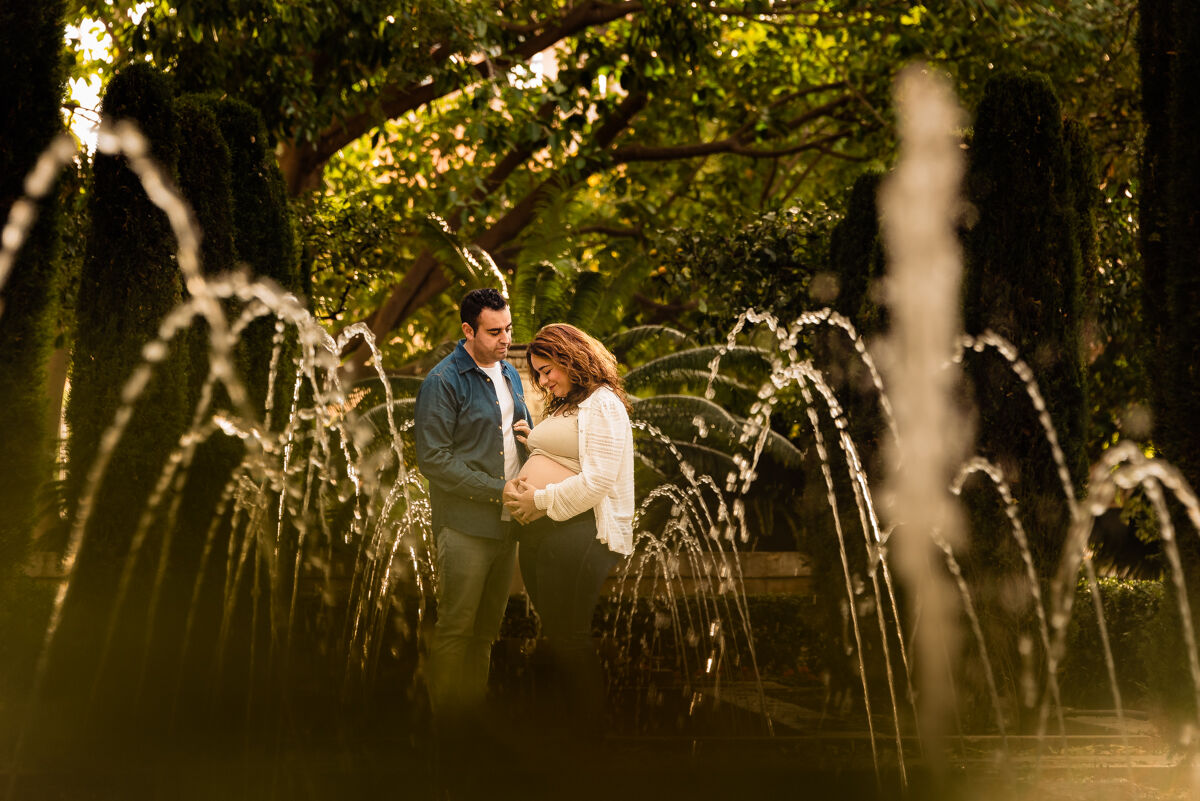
pixel 518 499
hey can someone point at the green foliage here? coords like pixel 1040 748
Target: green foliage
pixel 719 270
pixel 747 108
pixel 352 238
pixel 206 181
pixel 130 281
pixel 262 235
pixel 708 424
pixel 1105 96
pixel 723 431
pixel 264 238
pixel 1132 613
pixel 856 257
pixel 691 367
pixel 1115 332
pixel 1172 176
pixel 301 64
pixel 564 291
pixel 541 294
pixel 1024 263
pixel 631 341
pixel 1171 690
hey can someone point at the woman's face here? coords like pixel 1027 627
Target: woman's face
pixel 550 376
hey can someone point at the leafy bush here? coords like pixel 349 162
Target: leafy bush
pixel 1171 693
pixel 1131 612
pixel 719 271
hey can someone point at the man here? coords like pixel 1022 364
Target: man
pixel 469 409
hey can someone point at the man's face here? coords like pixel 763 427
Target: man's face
pixel 489 342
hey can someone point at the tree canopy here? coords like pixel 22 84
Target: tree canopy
pixel 538 130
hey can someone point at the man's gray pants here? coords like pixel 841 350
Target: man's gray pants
pixel 474 578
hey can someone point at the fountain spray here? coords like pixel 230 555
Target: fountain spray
pixel 918 206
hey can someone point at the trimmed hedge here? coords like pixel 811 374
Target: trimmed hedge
pixel 1029 182
pixel 30 97
pixel 31 93
pixel 263 237
pixel 129 282
pixel 206 181
pixel 1170 244
pixel 31 39
pixel 1131 608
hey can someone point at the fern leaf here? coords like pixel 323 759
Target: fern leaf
pixel 677 417
pixel 625 342
pixel 736 358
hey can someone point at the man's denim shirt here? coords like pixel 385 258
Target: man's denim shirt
pixel 460 443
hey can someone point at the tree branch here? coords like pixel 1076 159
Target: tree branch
pixel 662 312
pixel 635 153
pixel 301 162
pixel 400 301
pixel 424 281
pixel 610 230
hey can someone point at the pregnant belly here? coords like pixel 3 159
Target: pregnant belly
pixel 541 470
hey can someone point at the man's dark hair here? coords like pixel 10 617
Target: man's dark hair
pixel 476 301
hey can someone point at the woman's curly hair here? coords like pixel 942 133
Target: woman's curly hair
pixel 587 363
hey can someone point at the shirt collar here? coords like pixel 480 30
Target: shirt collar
pixel 466 363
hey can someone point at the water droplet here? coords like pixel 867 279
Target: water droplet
pixel 154 351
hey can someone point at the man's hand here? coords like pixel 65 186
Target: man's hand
pixel 510 492
pixel 518 498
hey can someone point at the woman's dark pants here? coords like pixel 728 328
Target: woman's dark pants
pixel 564 567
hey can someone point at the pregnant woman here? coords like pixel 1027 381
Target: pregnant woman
pixel 574 497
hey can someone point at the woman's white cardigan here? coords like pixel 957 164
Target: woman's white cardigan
pixel 605 480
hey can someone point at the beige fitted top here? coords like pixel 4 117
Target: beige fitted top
pixel 557 438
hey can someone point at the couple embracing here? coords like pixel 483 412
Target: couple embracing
pixel 562 489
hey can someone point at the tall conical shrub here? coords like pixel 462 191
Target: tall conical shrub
pixel 31 36
pixel 263 237
pixel 129 282
pixel 1169 218
pixel 1024 260
pixel 206 182
pixel 856 256
pixel 1033 196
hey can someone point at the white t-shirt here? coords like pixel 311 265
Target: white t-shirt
pixel 512 463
